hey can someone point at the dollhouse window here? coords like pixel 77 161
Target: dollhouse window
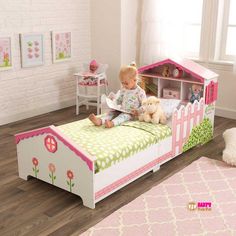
pixel 211 92
pixel 50 143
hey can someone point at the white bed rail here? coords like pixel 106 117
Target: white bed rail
pixel 184 119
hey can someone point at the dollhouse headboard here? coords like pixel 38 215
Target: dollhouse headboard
pixel 177 79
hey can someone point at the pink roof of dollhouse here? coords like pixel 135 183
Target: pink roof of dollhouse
pixel 189 66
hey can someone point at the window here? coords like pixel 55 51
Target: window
pixel 192 27
pixel 50 143
pixel 228 50
pixel 199 29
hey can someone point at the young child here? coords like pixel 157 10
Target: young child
pixel 129 97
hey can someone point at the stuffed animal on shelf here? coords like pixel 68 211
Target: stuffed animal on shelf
pixel 229 153
pixel 152 111
pixel 166 71
pixel 195 93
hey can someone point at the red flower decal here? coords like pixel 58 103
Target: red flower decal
pixel 35 169
pixel 70 174
pixel 50 143
pixel 35 161
pixel 51 167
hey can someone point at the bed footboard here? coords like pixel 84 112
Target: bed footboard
pixel 48 155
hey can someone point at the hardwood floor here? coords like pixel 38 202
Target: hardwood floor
pixel 37 208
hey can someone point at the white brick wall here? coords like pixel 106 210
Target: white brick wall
pixel 36 90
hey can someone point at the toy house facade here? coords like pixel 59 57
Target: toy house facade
pixel 176 78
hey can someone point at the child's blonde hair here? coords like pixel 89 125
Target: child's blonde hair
pixel 129 71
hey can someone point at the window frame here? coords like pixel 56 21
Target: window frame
pixel 225 26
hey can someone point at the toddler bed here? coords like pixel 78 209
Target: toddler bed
pixel 93 162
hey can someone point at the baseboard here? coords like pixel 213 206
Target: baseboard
pixel 36 112
pixel 225 112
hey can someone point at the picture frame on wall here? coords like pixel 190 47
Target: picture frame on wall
pixel 6 53
pixel 61 46
pixel 32 49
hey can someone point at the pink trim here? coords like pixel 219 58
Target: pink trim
pixel 188 123
pixel 174 131
pixel 131 176
pixel 181 130
pixel 211 92
pixel 50 130
pixel 195 114
pixel 188 66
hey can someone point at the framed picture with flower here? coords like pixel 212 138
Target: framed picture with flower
pixel 61 46
pixel 32 49
pixel 5 53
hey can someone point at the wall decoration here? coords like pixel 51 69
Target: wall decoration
pixel 61 46
pixel 31 49
pixel 5 53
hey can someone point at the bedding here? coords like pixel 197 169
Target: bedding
pixel 109 146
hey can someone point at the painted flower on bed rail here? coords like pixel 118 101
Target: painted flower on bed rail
pixel 70 176
pixel 52 169
pixel 35 163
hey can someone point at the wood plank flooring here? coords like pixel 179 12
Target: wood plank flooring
pixel 37 208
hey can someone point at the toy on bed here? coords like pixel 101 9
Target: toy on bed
pixel 152 111
pixel 195 93
pixel 229 153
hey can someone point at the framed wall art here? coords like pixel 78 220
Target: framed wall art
pixel 5 53
pixel 32 49
pixel 61 46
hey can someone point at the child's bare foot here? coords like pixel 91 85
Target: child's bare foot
pixel 109 124
pixel 95 120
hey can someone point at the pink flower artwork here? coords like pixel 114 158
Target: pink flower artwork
pixel 5 52
pixel 52 169
pixel 35 168
pixel 70 176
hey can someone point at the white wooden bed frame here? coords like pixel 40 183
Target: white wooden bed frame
pixel 92 187
pixel 49 155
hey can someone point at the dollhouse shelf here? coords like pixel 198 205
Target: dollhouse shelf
pixel 186 80
pixel 182 85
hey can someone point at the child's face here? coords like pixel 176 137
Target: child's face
pixel 128 83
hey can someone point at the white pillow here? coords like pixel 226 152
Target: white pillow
pixel 168 105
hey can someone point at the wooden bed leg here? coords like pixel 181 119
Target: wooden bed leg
pixel 156 168
pixel 88 203
pixel 24 176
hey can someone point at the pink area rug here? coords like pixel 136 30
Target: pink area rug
pixel 198 200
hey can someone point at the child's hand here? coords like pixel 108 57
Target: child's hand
pixel 134 112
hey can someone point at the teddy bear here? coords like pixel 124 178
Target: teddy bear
pixel 166 71
pixel 195 93
pixel 229 153
pixel 152 111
